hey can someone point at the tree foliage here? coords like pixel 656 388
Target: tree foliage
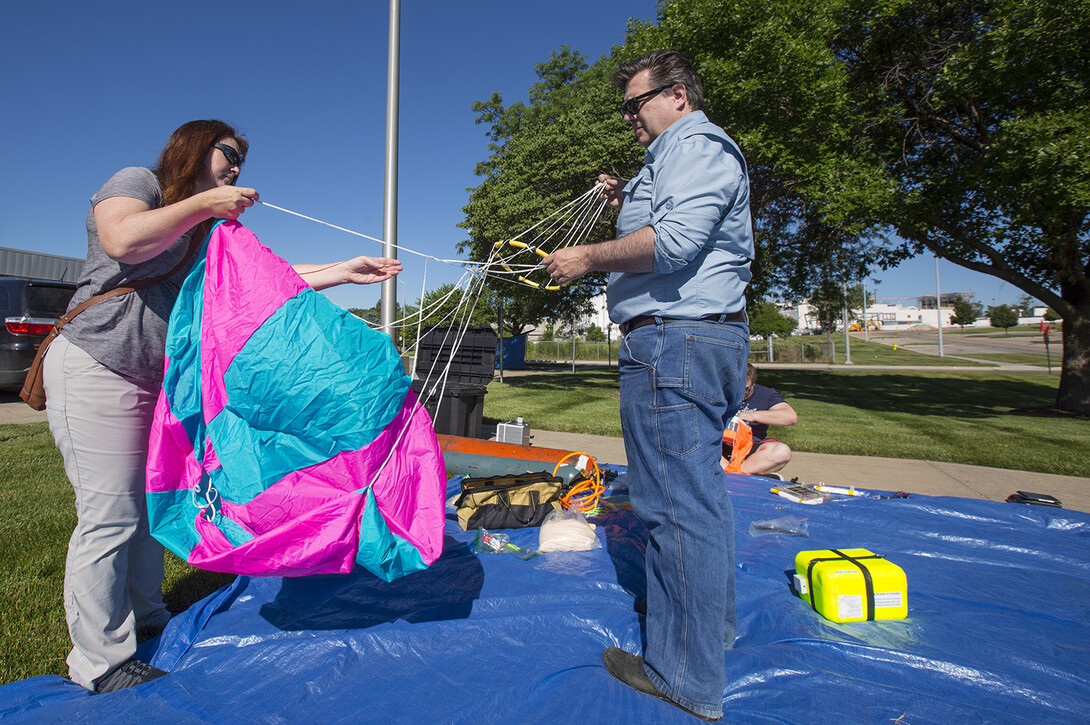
pixel 874 130
pixel 449 305
pixel 827 302
pixel 542 155
pixel 595 334
pixel 1003 316
pixel 959 125
pixel 765 320
pixel 966 312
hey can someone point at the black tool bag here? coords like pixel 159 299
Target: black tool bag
pixel 508 502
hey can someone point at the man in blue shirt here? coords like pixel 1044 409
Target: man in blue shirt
pixel 680 266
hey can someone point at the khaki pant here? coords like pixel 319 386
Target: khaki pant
pixel 114 572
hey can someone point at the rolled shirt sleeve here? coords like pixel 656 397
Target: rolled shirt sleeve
pixel 698 184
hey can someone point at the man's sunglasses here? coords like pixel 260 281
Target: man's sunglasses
pixel 233 157
pixel 633 105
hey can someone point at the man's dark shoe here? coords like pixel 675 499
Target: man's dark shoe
pixel 132 673
pixel 628 668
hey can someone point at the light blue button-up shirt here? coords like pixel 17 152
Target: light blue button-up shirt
pixel 694 191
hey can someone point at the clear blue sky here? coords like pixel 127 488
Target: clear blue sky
pixel 91 88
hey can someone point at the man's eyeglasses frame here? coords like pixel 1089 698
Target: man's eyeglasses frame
pixel 633 105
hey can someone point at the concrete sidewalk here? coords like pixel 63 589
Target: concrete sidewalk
pixel 887 474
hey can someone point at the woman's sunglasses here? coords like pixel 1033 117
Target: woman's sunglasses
pixel 233 156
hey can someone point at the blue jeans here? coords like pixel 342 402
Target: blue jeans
pixel 681 382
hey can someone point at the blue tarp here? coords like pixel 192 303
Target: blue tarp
pixel 998 631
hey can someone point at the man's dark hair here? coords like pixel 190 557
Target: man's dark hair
pixel 666 66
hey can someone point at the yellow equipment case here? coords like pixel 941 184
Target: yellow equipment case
pixel 851 585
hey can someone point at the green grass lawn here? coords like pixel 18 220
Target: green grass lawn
pixel 984 418
pixel 1018 331
pixel 1021 358
pixel 863 352
pixel 37 515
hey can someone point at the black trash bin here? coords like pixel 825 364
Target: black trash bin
pixel 458 412
pixel 460 409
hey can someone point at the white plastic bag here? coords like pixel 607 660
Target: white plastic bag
pixel 566 531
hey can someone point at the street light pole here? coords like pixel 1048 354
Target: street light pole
pixel 863 282
pixel 847 338
pixel 388 306
pixel 938 303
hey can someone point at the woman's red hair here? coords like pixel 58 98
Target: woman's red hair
pixel 181 164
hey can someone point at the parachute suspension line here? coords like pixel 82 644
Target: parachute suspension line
pixel 438 389
pixel 572 223
pixel 454 262
pixel 573 228
pixel 209 508
pixel 577 217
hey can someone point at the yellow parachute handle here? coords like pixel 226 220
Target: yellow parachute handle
pixel 523 245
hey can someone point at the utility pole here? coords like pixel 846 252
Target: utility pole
pixel 499 328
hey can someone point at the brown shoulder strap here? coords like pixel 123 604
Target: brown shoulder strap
pixel 141 284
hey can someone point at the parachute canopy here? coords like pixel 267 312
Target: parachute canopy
pixel 286 438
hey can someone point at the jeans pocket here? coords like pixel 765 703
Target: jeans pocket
pixel 677 429
pixel 710 364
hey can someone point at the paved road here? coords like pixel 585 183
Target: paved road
pixel 967 345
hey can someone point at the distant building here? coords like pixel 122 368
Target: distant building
pixel 598 316
pixel 35 265
pixel 927 302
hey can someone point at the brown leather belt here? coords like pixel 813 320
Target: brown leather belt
pixel 641 320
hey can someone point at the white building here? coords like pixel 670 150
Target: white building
pixel 881 315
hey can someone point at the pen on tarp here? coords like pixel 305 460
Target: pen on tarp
pixel 839 490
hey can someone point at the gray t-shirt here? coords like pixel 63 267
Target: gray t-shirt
pixel 128 333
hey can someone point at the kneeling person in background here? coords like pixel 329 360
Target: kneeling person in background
pixel 763 407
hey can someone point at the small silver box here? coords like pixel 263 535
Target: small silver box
pixel 514 431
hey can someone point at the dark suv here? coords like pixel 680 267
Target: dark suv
pixel 28 308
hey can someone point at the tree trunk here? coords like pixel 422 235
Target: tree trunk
pixel 1074 393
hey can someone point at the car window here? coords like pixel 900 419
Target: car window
pixel 46 300
pixel 5 303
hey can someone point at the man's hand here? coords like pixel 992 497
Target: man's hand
pixel 612 193
pixel 567 264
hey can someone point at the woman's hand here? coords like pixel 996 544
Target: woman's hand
pixel 131 232
pixel 368 270
pixel 227 202
pixel 358 270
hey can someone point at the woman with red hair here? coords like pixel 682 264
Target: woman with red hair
pixel 102 379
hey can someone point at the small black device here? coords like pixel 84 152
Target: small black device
pixel 1035 499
